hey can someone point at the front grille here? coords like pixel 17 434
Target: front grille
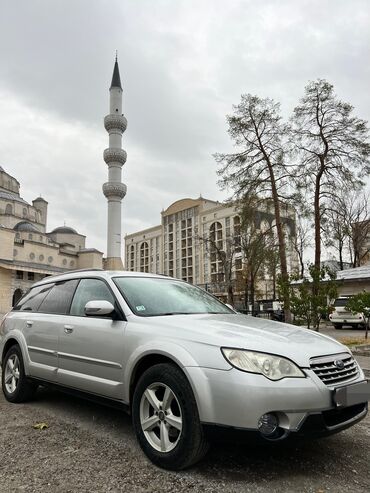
pixel 328 372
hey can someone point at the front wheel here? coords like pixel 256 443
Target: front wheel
pixel 16 387
pixel 166 420
pixel 338 326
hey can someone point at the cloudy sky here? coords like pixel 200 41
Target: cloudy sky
pixel 183 65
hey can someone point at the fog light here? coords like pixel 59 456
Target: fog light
pixel 268 424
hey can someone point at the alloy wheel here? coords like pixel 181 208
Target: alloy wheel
pixel 12 373
pixel 160 417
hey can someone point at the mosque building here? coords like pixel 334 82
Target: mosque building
pixel 27 251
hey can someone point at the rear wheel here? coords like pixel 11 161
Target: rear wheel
pixel 166 420
pixel 338 326
pixel 16 387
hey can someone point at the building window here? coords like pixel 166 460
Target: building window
pixel 144 257
pixel 215 247
pixel 30 236
pixel 32 256
pixel 41 257
pixel 237 237
pixel 24 212
pixel 8 209
pixel 31 276
pixel 19 274
pixel 131 259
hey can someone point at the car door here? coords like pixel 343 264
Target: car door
pixel 91 348
pixel 42 312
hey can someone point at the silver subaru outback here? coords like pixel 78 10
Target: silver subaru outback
pixel 181 362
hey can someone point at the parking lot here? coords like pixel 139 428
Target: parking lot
pixel 92 448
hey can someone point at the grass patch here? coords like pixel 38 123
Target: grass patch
pixel 353 341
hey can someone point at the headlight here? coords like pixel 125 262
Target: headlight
pixel 272 367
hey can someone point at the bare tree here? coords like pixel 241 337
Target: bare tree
pixel 332 147
pixel 224 251
pixel 257 167
pixel 346 227
pixel 359 229
pixel 302 240
pixel 259 248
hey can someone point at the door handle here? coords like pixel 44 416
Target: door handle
pixel 29 323
pixel 68 329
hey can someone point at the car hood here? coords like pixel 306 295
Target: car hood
pixel 247 332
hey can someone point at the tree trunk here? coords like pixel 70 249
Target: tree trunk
pixel 340 255
pixel 282 251
pixel 300 256
pixel 246 294
pixel 252 293
pixel 230 294
pixel 317 218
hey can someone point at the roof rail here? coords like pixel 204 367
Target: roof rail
pixel 72 271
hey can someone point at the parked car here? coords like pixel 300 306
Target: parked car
pixel 341 316
pixel 181 362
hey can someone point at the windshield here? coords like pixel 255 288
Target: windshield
pixel 148 297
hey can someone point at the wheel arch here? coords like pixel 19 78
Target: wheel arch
pixel 144 357
pixel 144 364
pixel 9 343
pixel 12 340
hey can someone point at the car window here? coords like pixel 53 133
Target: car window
pixel 150 296
pixel 58 300
pixel 341 301
pixel 89 290
pixel 32 300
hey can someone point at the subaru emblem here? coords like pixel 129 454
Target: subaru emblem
pixel 339 364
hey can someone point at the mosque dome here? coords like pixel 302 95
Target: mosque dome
pixel 65 230
pixel 26 226
pixel 40 199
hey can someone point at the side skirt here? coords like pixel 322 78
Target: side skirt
pixel 97 399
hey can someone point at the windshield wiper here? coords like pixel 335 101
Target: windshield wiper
pixel 174 313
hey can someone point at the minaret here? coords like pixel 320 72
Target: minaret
pixel 115 157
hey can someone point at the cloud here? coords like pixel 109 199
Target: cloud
pixel 183 65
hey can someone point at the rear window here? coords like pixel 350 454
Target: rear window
pixel 341 301
pixel 33 299
pixel 59 298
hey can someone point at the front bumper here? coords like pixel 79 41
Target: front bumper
pixel 237 399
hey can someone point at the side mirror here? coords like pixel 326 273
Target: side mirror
pixel 230 306
pixel 97 308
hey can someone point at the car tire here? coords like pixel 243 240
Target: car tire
pixel 15 384
pixel 166 420
pixel 338 326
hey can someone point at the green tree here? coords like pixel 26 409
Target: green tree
pixel 360 303
pixel 257 167
pixel 310 296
